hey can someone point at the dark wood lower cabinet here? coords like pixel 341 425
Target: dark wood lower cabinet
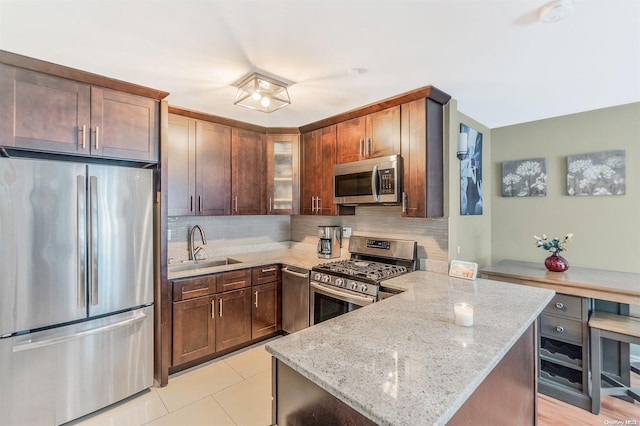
pixel 218 313
pixel 233 318
pixel 266 316
pixel 193 329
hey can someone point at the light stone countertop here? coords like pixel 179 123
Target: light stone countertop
pixel 302 255
pixel 403 361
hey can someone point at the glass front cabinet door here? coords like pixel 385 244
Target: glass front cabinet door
pixel 282 170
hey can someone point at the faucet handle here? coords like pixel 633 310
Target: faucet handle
pixel 197 254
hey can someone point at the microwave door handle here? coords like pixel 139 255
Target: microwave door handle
pixel 375 179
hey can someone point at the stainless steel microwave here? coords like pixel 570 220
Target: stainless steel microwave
pixel 377 180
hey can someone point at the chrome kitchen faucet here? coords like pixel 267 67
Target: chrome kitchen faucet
pixel 193 252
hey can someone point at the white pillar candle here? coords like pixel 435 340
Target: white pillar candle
pixel 464 314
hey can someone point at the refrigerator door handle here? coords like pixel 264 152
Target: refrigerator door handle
pixel 93 242
pixel 61 339
pixel 81 240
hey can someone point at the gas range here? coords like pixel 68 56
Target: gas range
pixel 372 261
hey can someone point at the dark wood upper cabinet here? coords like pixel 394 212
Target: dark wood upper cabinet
pixel 248 166
pixel 369 136
pixel 318 155
pixel 124 125
pixel 282 158
pixel 422 152
pixel 199 167
pixel 42 112
pixel 213 169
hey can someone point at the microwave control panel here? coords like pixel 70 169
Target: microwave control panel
pixel 387 181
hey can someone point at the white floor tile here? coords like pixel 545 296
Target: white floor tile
pixel 197 384
pixel 232 390
pixel 133 411
pixel 251 362
pixel 248 403
pixel 206 412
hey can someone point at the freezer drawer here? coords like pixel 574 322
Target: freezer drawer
pixel 53 376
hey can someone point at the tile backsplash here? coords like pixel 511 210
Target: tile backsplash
pixel 228 235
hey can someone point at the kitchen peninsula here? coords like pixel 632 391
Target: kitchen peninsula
pixel 403 361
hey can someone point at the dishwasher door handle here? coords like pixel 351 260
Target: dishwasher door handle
pixel 295 274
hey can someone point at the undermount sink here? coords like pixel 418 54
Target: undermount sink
pixel 190 265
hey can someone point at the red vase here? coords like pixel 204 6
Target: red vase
pixel 556 263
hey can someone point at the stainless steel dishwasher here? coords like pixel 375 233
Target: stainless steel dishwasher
pixel 295 299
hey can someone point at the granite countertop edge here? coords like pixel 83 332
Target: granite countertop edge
pixel 309 368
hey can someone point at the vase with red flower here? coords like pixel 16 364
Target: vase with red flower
pixel 555 262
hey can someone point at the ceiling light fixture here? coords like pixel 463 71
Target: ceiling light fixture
pixel 261 93
pixel 556 10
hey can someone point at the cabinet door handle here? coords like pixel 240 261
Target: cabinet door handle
pixel 270 269
pixel 559 329
pixel 213 308
pixel 84 138
pixel 559 305
pixel 191 203
pixel 199 204
pixel 235 200
pixel 97 137
pixel 220 308
pixel 318 201
pixel 256 298
pixel 270 210
pixel 404 202
pixel 361 148
pixel 185 292
pixel 367 147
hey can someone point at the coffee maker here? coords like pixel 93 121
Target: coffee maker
pixel 330 241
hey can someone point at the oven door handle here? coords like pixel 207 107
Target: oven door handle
pixel 351 298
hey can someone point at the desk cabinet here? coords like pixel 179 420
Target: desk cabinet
pixel 564 345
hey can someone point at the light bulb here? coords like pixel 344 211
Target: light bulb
pixel 265 102
pixel 256 96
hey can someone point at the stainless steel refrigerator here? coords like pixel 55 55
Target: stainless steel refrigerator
pixel 76 288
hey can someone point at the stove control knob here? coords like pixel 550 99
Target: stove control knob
pixel 317 276
pixel 363 288
pixel 326 278
pixel 354 285
pixel 339 282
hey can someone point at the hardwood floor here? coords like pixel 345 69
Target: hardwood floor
pixel 613 411
pixel 552 412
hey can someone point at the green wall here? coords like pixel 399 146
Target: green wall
pixel 469 236
pixel 606 228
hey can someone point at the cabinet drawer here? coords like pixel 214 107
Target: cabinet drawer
pixel 564 305
pixel 194 287
pixel 233 280
pixel 559 328
pixel 266 274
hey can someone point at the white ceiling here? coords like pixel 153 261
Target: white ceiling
pixel 493 56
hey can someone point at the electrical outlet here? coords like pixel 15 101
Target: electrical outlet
pixel 168 234
pixel 346 232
